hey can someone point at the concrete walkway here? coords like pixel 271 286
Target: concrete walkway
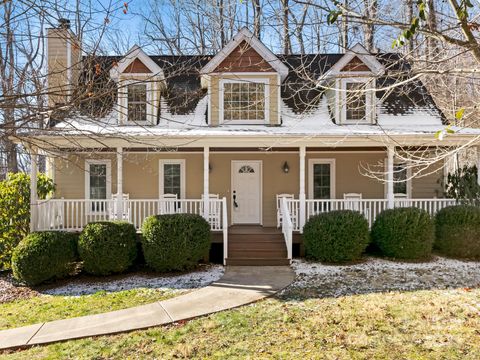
pixel 240 285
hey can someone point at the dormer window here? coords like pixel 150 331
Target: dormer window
pixel 245 101
pixel 137 102
pixel 140 81
pixel 356 102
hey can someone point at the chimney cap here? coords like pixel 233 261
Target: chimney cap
pixel 63 23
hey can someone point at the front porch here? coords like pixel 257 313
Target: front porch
pixel 227 186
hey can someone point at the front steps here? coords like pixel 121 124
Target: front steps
pixel 256 246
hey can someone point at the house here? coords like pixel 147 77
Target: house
pixel 224 135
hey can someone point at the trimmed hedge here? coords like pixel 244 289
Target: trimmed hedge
pixel 404 233
pixel 107 247
pixel 457 231
pixel 43 256
pixel 336 236
pixel 175 242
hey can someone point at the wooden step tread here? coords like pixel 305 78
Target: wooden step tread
pixel 258 261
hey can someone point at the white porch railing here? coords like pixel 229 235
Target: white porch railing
pixel 287 226
pixel 73 215
pixel 370 208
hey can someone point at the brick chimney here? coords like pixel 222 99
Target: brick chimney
pixel 64 57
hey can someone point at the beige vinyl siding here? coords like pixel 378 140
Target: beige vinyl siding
pixel 429 183
pixel 215 95
pixel 70 175
pixel 140 176
pixel 349 169
pixel 57 62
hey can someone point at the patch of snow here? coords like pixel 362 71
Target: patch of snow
pixel 192 280
pixel 379 275
pixel 317 123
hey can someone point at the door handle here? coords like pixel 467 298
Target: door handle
pixel 235 204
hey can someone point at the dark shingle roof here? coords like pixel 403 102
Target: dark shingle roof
pixel 299 90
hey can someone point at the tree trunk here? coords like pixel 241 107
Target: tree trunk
pixel 368 26
pixel 256 17
pixel 287 45
pixel 344 30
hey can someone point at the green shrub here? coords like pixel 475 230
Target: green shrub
pixel 175 242
pixel 43 256
pixel 336 236
pixel 404 233
pixel 15 210
pixel 107 247
pixel 457 230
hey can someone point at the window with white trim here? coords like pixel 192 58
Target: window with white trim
pixel 356 101
pixel 245 101
pixel 98 182
pixel 172 177
pixel 321 179
pixel 137 102
pixel 400 179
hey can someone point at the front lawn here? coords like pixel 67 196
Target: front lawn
pixel 436 324
pixel 372 310
pixel 88 295
pixel 47 307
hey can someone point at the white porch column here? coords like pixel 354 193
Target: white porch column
pixel 390 161
pixel 206 181
pixel 478 165
pixel 119 183
pixel 301 192
pixel 33 190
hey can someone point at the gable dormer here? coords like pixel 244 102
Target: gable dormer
pixel 243 82
pixel 140 81
pixel 351 86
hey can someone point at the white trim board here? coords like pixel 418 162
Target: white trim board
pixel 311 163
pixel 183 175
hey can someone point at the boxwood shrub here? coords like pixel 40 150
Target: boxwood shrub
pixel 457 230
pixel 107 247
pixel 336 236
pixel 404 233
pixel 43 256
pixel 175 242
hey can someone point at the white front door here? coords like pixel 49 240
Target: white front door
pixel 246 192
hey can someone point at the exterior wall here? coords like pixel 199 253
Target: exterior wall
pixel 69 174
pixel 429 183
pixel 348 173
pixel 141 181
pixel 274 87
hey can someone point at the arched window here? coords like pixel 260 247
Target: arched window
pixel 246 169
